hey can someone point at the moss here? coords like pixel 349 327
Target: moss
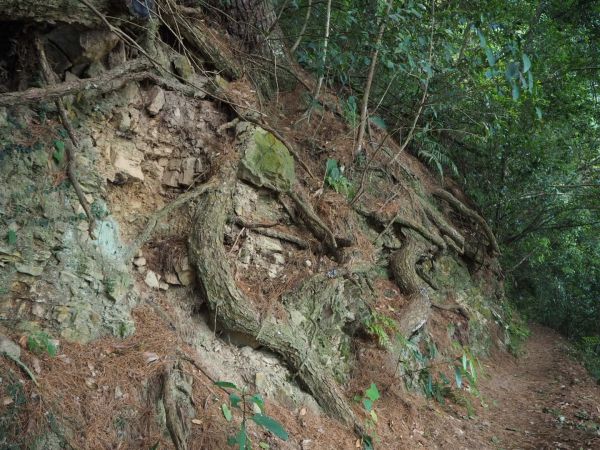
pixel 267 162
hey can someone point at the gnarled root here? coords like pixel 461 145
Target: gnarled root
pixel 236 313
pixel 402 265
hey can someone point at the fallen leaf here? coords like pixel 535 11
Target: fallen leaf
pixel 6 401
pixel 197 421
pixel 302 411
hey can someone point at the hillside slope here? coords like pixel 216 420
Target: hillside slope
pixel 167 228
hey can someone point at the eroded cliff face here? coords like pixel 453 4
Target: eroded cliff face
pixel 217 254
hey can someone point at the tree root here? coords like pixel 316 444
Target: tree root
pixel 145 235
pixel 173 421
pixel 236 312
pixel 405 223
pixel 468 212
pixel 402 265
pixel 70 147
pixel 265 230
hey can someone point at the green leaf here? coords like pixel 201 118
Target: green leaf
pixel 374 417
pixel 241 439
pixel 367 443
pixel 271 424
pixel 59 152
pixel 458 376
pixel 264 445
pixel 464 361
pixel 258 400
pixel 490 57
pixel 11 237
pixel 512 71
pixel 538 112
pixel 226 412
pixel 530 81
pixel 368 404
pixel 372 392
pixel 515 92
pixel 332 170
pixel 526 63
pixel 234 399
pixel 226 384
pixel 377 120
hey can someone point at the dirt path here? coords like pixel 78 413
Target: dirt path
pixel 542 400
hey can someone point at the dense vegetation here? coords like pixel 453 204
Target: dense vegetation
pixel 504 97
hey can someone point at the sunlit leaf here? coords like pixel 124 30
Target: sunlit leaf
pixel 270 424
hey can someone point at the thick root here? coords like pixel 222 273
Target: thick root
pixel 402 265
pixel 236 313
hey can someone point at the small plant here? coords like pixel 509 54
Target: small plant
pixel 241 399
pixel 39 342
pixel 335 178
pixel 464 369
pixel 381 326
pixel 368 399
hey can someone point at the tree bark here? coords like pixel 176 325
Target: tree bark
pixel 66 11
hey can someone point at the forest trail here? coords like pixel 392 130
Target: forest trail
pixel 541 400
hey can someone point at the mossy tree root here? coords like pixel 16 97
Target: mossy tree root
pixel 236 313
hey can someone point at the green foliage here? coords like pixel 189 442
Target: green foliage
pixel 39 343
pixel 368 399
pixel 334 177
pixel 512 103
pixel 381 326
pixel 59 152
pixel 240 399
pixel 589 352
pixel 11 237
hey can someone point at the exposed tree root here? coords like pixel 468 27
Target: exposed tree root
pixel 236 312
pixel 146 233
pixel 172 415
pixel 402 265
pixel 468 212
pixel 70 147
pixel 265 230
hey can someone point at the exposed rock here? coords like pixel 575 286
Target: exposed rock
pixel 163 286
pixel 127 159
pixel 171 278
pixel 27 269
pixel 152 280
pixel 188 166
pixel 9 348
pixel 267 162
pixel 182 67
pixel 171 178
pixel 139 262
pixel 155 100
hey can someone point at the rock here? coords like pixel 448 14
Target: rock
pixel 171 278
pixel 171 178
pixel 308 263
pixel 38 310
pixel 267 161
pixel 127 159
pixel 35 271
pixel 9 348
pixel 267 245
pixel 186 277
pixel 260 381
pixel 182 67
pixel 152 280
pixel 188 167
pixel 278 258
pixel 95 69
pixel 155 100
pixel 163 286
pixel 139 262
